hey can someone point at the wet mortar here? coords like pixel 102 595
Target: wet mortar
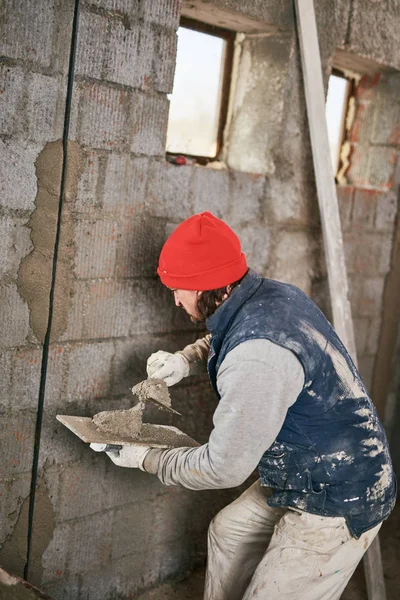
pixel 129 424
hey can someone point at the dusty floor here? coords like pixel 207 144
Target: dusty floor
pixel 192 588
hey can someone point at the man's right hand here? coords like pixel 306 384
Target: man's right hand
pixel 171 368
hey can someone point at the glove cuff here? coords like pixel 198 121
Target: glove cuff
pixel 185 362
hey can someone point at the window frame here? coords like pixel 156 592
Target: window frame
pixel 229 37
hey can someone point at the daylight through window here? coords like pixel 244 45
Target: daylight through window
pixel 198 100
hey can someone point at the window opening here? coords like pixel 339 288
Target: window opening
pixel 335 110
pixel 199 99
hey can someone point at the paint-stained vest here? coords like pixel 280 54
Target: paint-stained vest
pixel 331 456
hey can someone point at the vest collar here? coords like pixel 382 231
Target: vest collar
pixel 218 323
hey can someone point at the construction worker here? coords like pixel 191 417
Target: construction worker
pixel 292 405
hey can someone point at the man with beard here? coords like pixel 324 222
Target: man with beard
pixel 292 405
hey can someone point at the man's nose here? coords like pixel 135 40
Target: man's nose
pixel 177 302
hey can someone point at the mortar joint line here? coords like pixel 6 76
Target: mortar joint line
pixel 46 344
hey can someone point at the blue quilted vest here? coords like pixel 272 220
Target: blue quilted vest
pixel 331 456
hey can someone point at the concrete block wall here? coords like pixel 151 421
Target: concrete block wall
pixel 112 532
pixel 33 71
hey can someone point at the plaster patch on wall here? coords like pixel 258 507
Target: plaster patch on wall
pixel 13 551
pixel 35 272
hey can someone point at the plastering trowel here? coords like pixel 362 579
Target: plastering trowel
pixel 125 427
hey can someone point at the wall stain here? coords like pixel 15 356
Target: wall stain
pixel 35 272
pixel 13 551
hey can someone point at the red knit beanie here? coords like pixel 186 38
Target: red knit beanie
pixel 203 253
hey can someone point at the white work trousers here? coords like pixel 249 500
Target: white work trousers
pixel 256 552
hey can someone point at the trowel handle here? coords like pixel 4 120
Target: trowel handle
pixel 106 447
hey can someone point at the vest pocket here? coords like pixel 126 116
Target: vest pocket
pixel 285 467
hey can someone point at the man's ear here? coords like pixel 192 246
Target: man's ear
pixel 199 294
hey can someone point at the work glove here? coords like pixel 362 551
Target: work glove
pixel 127 456
pixel 171 368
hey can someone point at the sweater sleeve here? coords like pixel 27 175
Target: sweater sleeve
pixel 258 381
pixel 196 355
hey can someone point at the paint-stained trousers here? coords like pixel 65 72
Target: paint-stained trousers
pixel 256 552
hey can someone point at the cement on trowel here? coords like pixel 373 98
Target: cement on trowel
pixel 128 423
pixel 156 392
pixel 126 426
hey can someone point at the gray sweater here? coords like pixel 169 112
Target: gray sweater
pixel 257 381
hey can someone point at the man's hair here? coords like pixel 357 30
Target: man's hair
pixel 209 301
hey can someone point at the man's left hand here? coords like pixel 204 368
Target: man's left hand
pixel 130 456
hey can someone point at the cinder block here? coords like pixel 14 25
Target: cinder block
pixel 385 255
pixel 381 167
pixel 364 208
pixel 15 243
pixel 18 183
pixel 162 12
pixel 370 302
pixel 65 589
pixel 12 494
pixel 81 491
pixel 55 556
pixel 139 245
pixel 289 201
pixel 361 326
pixel 255 239
pixel 366 370
pixel 345 196
pixel 45 110
pixel 27 30
pixel 54 378
pixel 11 100
pixel 374 331
pixel 130 7
pixel 90 544
pixel 386 210
pixel 246 197
pixel 147 44
pixel 209 190
pixel 14 317
pixel 164 62
pixel 59 447
pixel 293 260
pixel 17 434
pixel 168 191
pixel 104 117
pixel 89 370
pixel 386 128
pixel 149 116
pixel 361 253
pixel 5 381
pixel 126 486
pixel 382 19
pixel 26 378
pixel 92 35
pixel 125 184
pixel 96 242
pixel 88 195
pixel 123 61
